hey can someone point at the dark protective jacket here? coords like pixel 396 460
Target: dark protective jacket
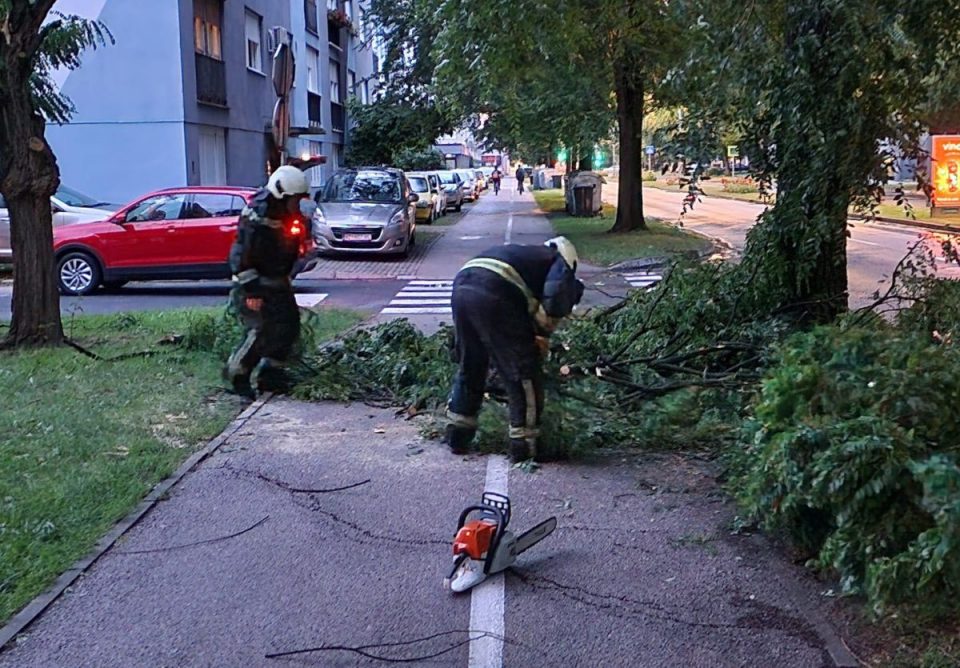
pixel 520 174
pixel 544 272
pixel 265 250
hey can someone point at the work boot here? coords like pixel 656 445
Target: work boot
pixel 271 376
pixel 459 438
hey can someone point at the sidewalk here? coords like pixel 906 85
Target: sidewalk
pixel 239 561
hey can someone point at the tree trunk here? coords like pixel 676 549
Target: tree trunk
pixel 28 177
pixel 629 90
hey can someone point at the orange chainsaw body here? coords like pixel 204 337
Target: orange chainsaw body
pixel 474 538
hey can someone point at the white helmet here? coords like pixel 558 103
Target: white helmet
pixel 287 181
pixel 566 249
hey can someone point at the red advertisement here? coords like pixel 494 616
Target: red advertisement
pixel 945 169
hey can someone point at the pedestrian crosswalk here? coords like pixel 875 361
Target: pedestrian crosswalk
pixel 643 279
pixel 422 297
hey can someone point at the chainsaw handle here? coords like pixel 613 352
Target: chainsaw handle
pixel 502 518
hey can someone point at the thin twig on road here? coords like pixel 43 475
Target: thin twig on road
pixel 199 542
pixel 362 649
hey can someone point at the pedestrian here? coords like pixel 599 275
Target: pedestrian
pixel 520 176
pixel 506 303
pixel 495 178
pixel 270 233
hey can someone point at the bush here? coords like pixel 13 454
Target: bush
pixel 649 176
pixel 739 185
pixel 854 452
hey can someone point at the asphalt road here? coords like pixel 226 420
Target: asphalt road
pixel 873 251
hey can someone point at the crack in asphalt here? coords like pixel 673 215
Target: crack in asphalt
pixel 614 601
pixel 308 500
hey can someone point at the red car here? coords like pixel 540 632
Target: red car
pixel 178 233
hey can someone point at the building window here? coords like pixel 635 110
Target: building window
pixel 351 83
pixel 313 70
pixel 316 174
pixel 310 14
pixel 361 25
pixel 335 81
pixel 207 22
pixel 365 92
pixel 254 28
pixel 348 8
pixel 332 5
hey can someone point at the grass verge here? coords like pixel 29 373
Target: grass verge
pixel 451 218
pixel 82 441
pixel 597 245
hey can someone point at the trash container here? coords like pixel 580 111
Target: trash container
pixel 557 181
pixel 593 183
pixel 583 200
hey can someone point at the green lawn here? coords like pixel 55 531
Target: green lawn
pixel 452 218
pixel 710 189
pixel 598 246
pixel 82 441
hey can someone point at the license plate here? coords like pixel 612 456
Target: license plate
pixel 358 237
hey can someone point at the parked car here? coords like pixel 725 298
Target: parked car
pixel 441 200
pixel 367 210
pixel 68 206
pixel 427 204
pixel 177 233
pixel 469 185
pixel 438 195
pixel 452 186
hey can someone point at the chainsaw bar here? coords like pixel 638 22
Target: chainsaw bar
pixel 530 538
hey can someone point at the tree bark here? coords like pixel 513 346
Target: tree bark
pixel 628 84
pixel 28 177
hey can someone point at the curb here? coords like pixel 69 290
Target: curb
pixel 20 621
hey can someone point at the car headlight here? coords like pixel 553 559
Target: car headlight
pixel 396 219
pixel 423 203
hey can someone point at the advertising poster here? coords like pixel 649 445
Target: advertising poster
pixel 945 170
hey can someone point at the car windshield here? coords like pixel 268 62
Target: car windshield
pixel 466 176
pixel 363 187
pixel 419 184
pixel 448 177
pixel 71 197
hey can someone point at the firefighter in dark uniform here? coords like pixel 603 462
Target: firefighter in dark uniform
pixel 269 237
pixel 506 304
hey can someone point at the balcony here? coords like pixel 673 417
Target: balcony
pixel 310 13
pixel 211 80
pixel 337 116
pixel 314 107
pixel 335 34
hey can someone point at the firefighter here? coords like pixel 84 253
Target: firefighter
pixel 506 303
pixel 270 233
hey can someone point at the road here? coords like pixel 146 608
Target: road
pixel 241 560
pixel 873 251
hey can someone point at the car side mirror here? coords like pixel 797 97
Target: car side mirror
pixel 413 198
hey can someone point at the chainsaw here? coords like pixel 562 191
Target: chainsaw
pixel 483 546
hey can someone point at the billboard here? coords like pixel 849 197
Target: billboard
pixel 945 170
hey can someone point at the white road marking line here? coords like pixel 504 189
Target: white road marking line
pixel 309 300
pixel 413 310
pixel 509 228
pixel 420 302
pixel 656 277
pixel 486 599
pixel 426 282
pixel 414 295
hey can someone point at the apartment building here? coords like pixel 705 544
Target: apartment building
pixel 184 95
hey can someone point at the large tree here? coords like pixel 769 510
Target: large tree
pixel 31 47
pixel 825 94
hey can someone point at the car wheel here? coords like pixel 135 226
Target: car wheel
pixel 78 273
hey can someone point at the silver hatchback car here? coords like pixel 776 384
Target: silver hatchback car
pixel 368 210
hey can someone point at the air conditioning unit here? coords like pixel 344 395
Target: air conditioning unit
pixel 276 36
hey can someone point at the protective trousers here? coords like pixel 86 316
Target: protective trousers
pixel 270 335
pixel 492 323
